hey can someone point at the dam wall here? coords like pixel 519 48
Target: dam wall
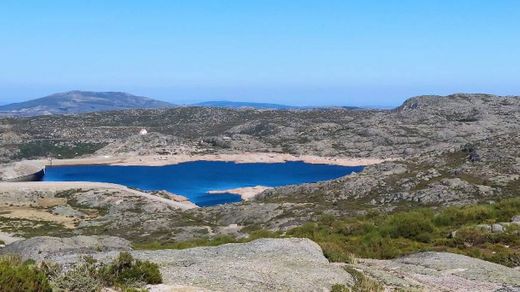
pixel 22 171
pixel 37 176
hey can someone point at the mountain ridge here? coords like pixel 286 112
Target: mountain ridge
pixel 76 101
pixel 244 104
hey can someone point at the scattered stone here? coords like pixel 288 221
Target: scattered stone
pixel 68 211
pixel 497 228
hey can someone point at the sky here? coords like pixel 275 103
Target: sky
pixel 299 52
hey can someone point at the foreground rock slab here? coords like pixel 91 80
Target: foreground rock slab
pixel 438 271
pixel 48 248
pixel 262 265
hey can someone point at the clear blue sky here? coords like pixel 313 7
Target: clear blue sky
pixel 296 52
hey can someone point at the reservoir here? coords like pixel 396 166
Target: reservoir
pixel 195 179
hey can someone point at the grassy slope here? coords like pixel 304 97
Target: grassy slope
pixel 385 236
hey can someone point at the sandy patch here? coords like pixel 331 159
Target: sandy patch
pixel 36 215
pixel 8 238
pixel 245 193
pixel 51 202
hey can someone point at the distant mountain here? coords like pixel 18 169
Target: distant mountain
pixel 259 105
pixel 73 102
pixel 239 104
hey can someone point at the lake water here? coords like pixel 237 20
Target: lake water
pixel 194 179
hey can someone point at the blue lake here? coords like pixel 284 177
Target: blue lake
pixel 194 179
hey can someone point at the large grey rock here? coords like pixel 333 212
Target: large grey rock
pixel 68 211
pixel 497 228
pixel 262 265
pixel 45 247
pixel 438 271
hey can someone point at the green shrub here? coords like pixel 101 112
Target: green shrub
pixel 339 288
pixel 17 276
pixel 363 283
pixel 337 252
pixel 126 271
pixel 82 277
pixel 424 237
pixel 56 149
pixel 373 245
pixel 471 236
pixel 383 236
pixel 465 215
pixel 506 257
pixel 409 225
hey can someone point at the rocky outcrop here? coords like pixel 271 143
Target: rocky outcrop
pixel 69 208
pixel 261 265
pixel 421 124
pixel 436 271
pixel 45 247
pixel 291 264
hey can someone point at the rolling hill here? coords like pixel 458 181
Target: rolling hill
pixel 73 102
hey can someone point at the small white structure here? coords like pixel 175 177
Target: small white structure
pixel 143 132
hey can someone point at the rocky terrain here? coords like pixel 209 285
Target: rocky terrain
pixel 279 265
pixel 261 265
pixel 433 271
pixel 446 151
pixel 458 149
pixel 420 124
pixel 63 209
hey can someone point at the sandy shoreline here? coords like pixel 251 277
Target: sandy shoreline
pixel 246 193
pixel 250 157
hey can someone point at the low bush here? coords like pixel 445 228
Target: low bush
pixel 339 288
pixel 471 236
pixel 18 276
pixel 362 283
pixel 411 225
pixel 127 271
pixel 465 215
pixel 82 277
pixel 388 236
pixel 124 273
